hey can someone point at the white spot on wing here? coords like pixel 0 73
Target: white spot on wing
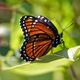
pixel 21 57
pixel 56 39
pixel 25 17
pixel 25 30
pixel 36 20
pixel 23 51
pixel 24 54
pixel 47 27
pixel 26 35
pixel 57 36
pixel 42 17
pixel 34 23
pixel 23 24
pixel 24 27
pixel 27 57
pixel 38 16
pixel 23 47
pixel 30 17
pixel 56 42
pixel 24 39
pixel 45 20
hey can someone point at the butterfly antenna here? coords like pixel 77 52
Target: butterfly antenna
pixel 67 26
pixel 71 23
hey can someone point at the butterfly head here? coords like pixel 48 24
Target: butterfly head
pixel 58 40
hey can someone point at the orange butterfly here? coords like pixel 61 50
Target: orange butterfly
pixel 40 34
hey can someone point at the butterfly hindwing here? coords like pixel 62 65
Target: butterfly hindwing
pixel 35 48
pixel 23 53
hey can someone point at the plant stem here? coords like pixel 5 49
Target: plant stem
pixel 74 73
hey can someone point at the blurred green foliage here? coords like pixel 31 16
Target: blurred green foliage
pixel 60 12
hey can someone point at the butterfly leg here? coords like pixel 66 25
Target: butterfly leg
pixel 63 43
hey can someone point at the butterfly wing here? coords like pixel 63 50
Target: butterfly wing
pixel 38 37
pixel 46 21
pixel 32 50
pixel 34 25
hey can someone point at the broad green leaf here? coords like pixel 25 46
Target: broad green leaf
pixel 43 69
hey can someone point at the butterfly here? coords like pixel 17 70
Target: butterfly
pixel 40 35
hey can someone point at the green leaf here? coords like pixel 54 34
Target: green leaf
pixel 77 54
pixel 43 69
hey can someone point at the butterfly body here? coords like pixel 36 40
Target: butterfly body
pixel 40 34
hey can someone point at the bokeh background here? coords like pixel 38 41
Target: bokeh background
pixel 60 12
